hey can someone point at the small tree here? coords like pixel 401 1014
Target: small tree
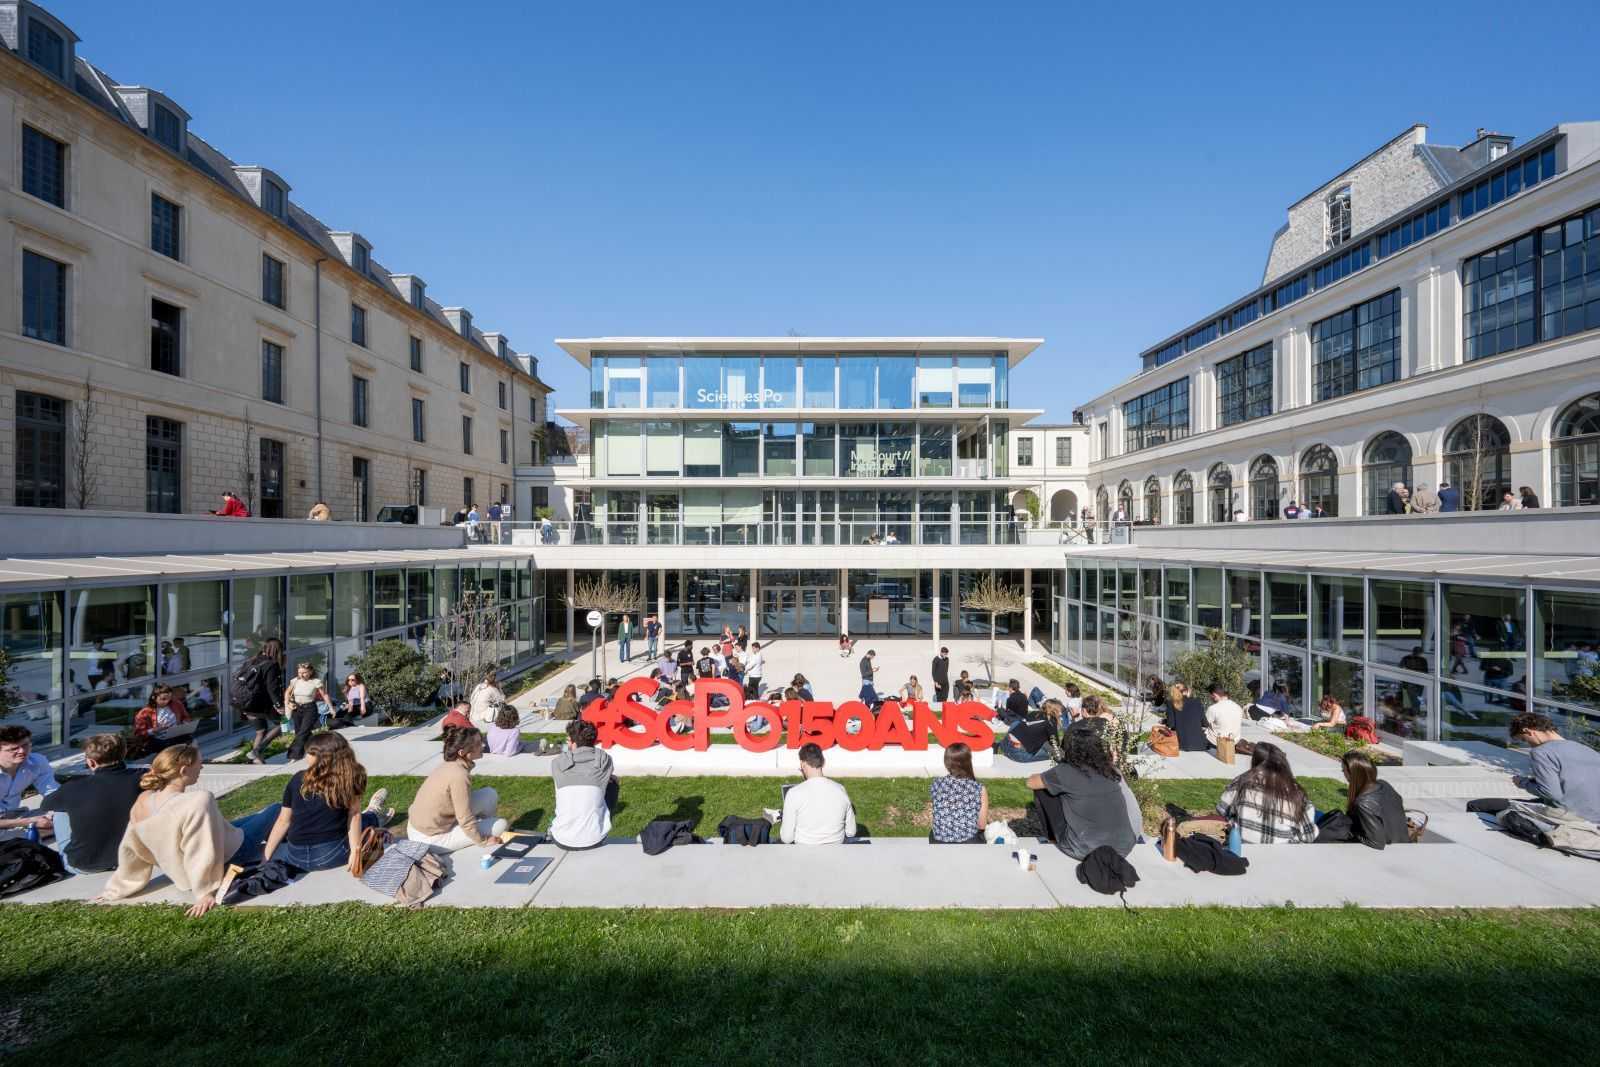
pixel 1030 503
pixel 398 677
pixel 993 596
pixel 465 646
pixel 608 598
pixel 1220 661
pixel 85 448
pixel 247 466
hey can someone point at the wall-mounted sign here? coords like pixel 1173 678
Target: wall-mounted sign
pixel 864 464
pixel 766 397
pixel 624 721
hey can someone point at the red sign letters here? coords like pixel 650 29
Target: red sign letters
pixel 624 721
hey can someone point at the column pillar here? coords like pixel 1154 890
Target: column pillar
pixel 935 608
pixel 844 601
pixel 661 605
pixel 1027 610
pixel 754 592
pixel 572 635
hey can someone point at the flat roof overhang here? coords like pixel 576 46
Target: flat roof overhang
pixel 581 348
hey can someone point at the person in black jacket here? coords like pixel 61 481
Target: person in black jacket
pixel 91 811
pixel 941 675
pixel 267 710
pixel 1187 716
pixel 1377 814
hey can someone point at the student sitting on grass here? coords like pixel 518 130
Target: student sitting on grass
pixel 960 801
pixel 1266 803
pixel 448 814
pixel 1565 773
pixel 184 834
pixel 586 790
pixel 818 810
pixel 91 811
pixel 1187 717
pixel 505 738
pixel 320 822
pixel 1332 715
pixel 1083 800
pixel 1028 739
pixel 1377 814
pixel 567 704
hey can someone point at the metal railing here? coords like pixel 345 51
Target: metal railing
pixel 876 531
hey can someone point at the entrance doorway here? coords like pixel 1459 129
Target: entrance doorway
pixel 799 603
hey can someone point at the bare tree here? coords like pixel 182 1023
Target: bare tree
pixel 465 644
pixel 85 448
pixel 991 595
pixel 608 598
pixel 247 466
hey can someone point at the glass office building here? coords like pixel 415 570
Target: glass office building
pixel 1425 658
pixel 86 653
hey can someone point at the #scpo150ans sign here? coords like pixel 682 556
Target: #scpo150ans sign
pixel 625 722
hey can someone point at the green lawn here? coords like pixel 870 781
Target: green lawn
pixel 352 984
pixel 886 807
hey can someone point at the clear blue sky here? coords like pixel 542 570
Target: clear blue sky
pixel 1097 175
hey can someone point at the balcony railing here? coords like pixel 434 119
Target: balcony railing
pixel 875 530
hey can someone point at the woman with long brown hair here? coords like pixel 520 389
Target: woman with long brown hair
pixel 319 825
pixel 1266 803
pixel 182 831
pixel 960 801
pixel 1377 814
pixel 448 814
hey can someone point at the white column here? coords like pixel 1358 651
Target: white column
pixel 661 606
pixel 754 576
pixel 572 635
pixel 1027 610
pixel 844 601
pixel 936 607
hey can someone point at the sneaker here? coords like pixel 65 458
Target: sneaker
pixel 376 803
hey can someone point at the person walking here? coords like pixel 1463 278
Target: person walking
pixel 941 675
pixel 257 695
pixel 1449 497
pixel 625 638
pixel 301 696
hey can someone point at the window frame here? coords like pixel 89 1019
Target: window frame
pixel 166 233
pixel 275 270
pixel 358 324
pixel 1239 398
pixel 360 401
pixel 419 420
pixel 416 354
pixel 32 295
pixel 171 336
pixel 35 173
pixel 1337 354
pixel 466 435
pixel 271 371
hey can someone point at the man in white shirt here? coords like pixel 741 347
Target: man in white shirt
pixel 818 810
pixel 753 666
pixel 1224 718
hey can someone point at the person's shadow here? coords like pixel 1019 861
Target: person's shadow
pixel 690 809
pixel 528 821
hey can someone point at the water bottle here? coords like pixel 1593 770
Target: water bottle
pixel 487 861
pixel 32 833
pixel 1235 840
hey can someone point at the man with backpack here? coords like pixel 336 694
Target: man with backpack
pixel 257 695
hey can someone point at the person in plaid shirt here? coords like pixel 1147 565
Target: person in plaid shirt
pixel 1266 803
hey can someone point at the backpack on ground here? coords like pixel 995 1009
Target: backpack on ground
pixel 739 831
pixel 1362 729
pixel 26 865
pixel 249 690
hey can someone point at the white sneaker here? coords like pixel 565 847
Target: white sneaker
pixel 376 803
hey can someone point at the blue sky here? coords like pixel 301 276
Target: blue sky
pixel 1097 175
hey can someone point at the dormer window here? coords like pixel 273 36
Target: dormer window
pixel 500 348
pixel 466 324
pixel 47 48
pixel 165 127
pixel 1339 217
pixel 418 295
pixel 1498 149
pixel 359 257
pixel 273 202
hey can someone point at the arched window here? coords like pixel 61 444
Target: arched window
pixel 1319 480
pixel 1183 499
pixel 1125 500
pixel 1152 500
pixel 1102 505
pixel 1575 454
pixel 1339 216
pixel 1264 488
pixel 1477 461
pixel 1386 463
pixel 1219 490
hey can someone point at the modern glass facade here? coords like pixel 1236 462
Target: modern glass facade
pixel 739 381
pixel 1427 659
pixel 85 658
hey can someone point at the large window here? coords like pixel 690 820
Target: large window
pixel 936 381
pixel 166 226
pixel 819 448
pixel 271 478
pixel 1569 277
pixel 1264 488
pixel 41 461
pixel 857 381
pixel 272 281
pixel 46 47
pixel 1183 499
pixel 1063 451
pixel 1477 461
pixel 163 465
pixel 416 355
pixel 1244 386
pixel 741 445
pixel 271 372
pixel 778 376
pixel 935 450
pixel 778 450
pixel 166 333
pixel 817 379
pixel 44 298
pixel 358 323
pixel 466 434
pixel 1219 491
pixel 1152 500
pixel 1157 417
pixel 1387 464
pixel 702 449
pixel 1538 287
pixel 1358 348
pixel 1498 294
pixel 1024 451
pixel 1319 479
pixel 419 419
pixel 1575 454
pixel 661 381
pixel 1339 217
pixel 1400 625
pixel 358 400
pixel 661 446
pixel 1567 637
pixel 44 167
pixel 361 488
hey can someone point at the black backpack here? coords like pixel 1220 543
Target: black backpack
pixel 26 865
pixel 249 690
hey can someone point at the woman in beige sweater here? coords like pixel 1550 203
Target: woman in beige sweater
pixel 448 814
pixel 184 834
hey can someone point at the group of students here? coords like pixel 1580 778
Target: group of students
pixel 262 696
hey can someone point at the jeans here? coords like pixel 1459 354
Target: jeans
pixel 324 855
pixel 650 647
pixel 253 849
pixel 305 718
pixel 625 648
pixel 1014 752
pixel 63 834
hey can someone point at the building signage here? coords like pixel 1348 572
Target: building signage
pixel 866 464
pixel 766 397
pixel 624 721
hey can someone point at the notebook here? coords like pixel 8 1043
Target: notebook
pixel 524 872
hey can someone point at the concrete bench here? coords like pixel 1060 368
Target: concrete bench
pixel 1464 754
